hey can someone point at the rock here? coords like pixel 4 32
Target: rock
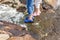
pixel 10 14
pixel 53 3
pixel 4 36
pixel 16 38
pixel 12 29
pixel 5 32
pixel 26 37
pixel 13 3
pixel 8 26
pixel 23 1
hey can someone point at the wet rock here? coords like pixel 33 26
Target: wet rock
pixel 43 24
pixel 53 30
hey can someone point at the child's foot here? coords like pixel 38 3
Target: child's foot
pixel 37 13
pixel 29 19
pixel 34 14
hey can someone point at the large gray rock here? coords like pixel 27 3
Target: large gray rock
pixel 10 14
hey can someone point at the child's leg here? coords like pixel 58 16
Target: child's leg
pixel 30 9
pixel 37 7
pixel 30 6
pixel 37 3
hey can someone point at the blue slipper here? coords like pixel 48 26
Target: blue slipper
pixel 27 20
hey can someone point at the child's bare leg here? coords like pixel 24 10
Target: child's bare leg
pixel 37 11
pixel 34 13
pixel 37 7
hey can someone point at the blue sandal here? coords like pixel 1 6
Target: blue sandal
pixel 28 21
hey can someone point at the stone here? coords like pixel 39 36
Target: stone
pixel 10 14
pixel 26 37
pixel 4 36
pixel 16 38
pixel 13 3
pixel 5 32
pixel 53 3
